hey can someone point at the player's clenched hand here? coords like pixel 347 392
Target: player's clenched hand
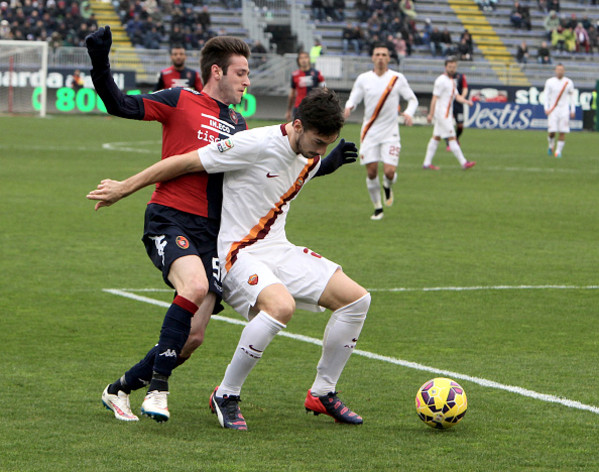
pixel 407 119
pixel 344 153
pixel 108 192
pixel 98 46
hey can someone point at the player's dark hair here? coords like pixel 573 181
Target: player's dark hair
pixel 176 46
pixel 321 111
pixel 218 50
pixel 451 59
pixel 380 45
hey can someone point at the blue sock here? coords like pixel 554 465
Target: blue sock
pixel 174 333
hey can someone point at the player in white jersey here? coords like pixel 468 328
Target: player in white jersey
pixel 265 276
pixel 559 108
pixel 381 90
pixel 441 112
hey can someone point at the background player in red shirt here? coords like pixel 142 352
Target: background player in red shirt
pixel 178 75
pixel 303 80
pixel 183 216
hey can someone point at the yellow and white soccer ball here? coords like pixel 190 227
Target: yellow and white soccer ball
pixel 441 403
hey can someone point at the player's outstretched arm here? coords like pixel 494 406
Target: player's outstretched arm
pixel 344 153
pixel 463 100
pixel 110 191
pixel 117 103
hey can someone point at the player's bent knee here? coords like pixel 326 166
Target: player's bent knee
pixel 195 290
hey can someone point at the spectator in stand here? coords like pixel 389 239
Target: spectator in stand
pixel 436 44
pixel 582 38
pixel 551 23
pixel 464 53
pixel 572 22
pixel 426 32
pixel 468 37
pixel 520 16
pixel 389 42
pixel 553 5
pixel 447 43
pixel 350 39
pixel 544 54
pixel 400 46
pixel 204 18
pixel 329 11
pixel 339 10
pixel 362 10
pixel 594 37
pixel 407 10
pixel 5 32
pixel 522 54
pixel 176 36
pixel 318 10
pixel 542 4
pixel 316 51
pixel 484 5
pixel 563 39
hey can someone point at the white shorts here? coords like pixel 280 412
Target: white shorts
pixel 444 127
pixel 558 122
pixel 303 272
pixel 387 152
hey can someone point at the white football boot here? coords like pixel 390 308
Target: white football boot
pixel 155 406
pixel 119 405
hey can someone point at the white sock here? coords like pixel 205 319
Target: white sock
pixel 388 183
pixel 374 190
pixel 255 337
pixel 560 147
pixel 550 143
pixel 338 342
pixel 457 152
pixel 431 149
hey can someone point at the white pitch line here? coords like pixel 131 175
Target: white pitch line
pixel 486 287
pixel 435 289
pixel 391 360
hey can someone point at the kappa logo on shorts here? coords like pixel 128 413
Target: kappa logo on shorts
pixel 224 145
pixel 182 242
pixel 253 280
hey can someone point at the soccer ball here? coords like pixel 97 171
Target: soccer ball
pixel 441 403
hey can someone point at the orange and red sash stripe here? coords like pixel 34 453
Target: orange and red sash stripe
pixel 561 92
pixel 450 99
pixel 260 230
pixel 379 105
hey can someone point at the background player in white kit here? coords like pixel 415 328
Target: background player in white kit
pixel 441 111
pixel 265 276
pixel 379 140
pixel 559 108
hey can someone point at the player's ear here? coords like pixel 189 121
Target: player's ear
pixel 217 72
pixel 298 126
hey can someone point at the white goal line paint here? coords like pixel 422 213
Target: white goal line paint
pixel 391 360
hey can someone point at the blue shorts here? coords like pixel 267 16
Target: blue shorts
pixel 170 234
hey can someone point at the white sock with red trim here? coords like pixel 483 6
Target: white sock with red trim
pixel 338 342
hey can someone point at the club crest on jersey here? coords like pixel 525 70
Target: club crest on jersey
pixel 253 280
pixel 182 242
pixel 224 145
pixel 233 115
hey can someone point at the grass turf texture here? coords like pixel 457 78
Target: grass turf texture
pixel 518 218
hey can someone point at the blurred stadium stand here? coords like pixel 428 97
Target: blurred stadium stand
pixel 285 26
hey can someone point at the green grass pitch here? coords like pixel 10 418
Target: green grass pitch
pixel 521 227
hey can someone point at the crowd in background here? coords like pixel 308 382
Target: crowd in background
pixel 562 33
pixel 154 24
pixel 392 22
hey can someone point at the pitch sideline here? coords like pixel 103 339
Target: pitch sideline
pixel 391 360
